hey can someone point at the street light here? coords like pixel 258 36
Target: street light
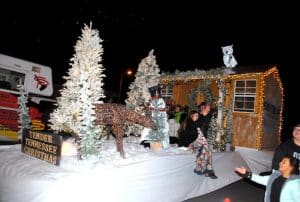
pixel 128 72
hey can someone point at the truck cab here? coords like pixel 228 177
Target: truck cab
pixel 37 81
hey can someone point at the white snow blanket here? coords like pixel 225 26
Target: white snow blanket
pixel 143 176
pixel 258 161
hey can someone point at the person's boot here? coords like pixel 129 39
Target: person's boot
pixel 211 174
pixel 198 172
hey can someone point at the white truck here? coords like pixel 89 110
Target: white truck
pixel 37 81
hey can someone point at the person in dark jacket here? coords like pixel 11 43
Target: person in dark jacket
pixel 192 137
pixel 205 117
pixel 188 132
pixel 184 114
pixel 289 148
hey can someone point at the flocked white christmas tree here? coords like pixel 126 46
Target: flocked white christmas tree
pixel 153 75
pixel 23 111
pixel 75 111
pixel 139 97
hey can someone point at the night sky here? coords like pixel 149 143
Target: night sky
pixel 184 35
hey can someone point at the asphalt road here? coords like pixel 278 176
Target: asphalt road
pixel 241 191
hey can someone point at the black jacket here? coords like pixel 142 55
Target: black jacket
pixel 204 122
pixel 189 134
pixel 288 148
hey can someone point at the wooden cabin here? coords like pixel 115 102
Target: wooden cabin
pixel 248 101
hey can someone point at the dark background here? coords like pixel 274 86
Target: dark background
pixel 184 35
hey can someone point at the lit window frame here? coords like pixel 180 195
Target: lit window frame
pixel 167 93
pixel 245 95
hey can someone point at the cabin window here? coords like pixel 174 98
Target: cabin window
pixel 244 95
pixel 167 93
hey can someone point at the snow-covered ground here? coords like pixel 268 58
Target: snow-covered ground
pixel 134 152
pixel 110 158
pixel 143 175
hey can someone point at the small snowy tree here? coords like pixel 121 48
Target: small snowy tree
pixel 75 111
pixel 23 111
pixel 157 104
pixel 147 75
pixel 153 75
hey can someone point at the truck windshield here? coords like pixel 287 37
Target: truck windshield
pixel 10 79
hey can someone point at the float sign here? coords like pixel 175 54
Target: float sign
pixel 41 145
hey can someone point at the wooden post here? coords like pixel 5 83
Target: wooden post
pixel 220 115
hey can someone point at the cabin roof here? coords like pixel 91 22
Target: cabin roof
pixel 252 69
pixel 217 73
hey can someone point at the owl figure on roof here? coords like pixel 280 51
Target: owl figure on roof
pixel 228 58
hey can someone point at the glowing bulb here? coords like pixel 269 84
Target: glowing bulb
pixel 227 199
